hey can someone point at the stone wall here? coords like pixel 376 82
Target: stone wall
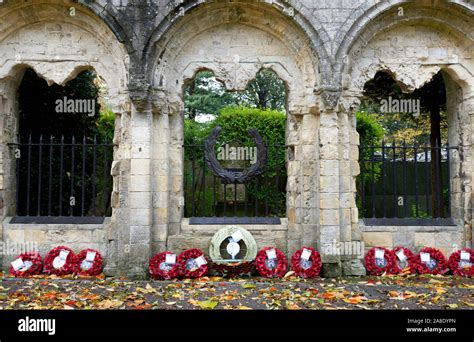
pixel 445 238
pixel 323 50
pixel 44 237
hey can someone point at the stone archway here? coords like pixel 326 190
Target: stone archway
pixel 413 48
pixel 234 41
pixel 59 43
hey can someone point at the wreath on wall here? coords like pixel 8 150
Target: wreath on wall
pixel 405 260
pixel 431 261
pixel 164 266
pixel 88 263
pixel 461 262
pixel 271 262
pixel 192 263
pixel 26 264
pixel 59 261
pixel 234 176
pixel 379 260
pixel 306 263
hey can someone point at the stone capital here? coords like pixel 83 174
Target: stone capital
pixel 139 90
pixel 330 95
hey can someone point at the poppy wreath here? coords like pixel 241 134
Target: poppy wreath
pixel 160 270
pixel 267 270
pixel 378 266
pixel 35 268
pixel 410 263
pixel 306 268
pixel 66 268
pixel 187 264
pixel 438 262
pixel 95 267
pixel 454 263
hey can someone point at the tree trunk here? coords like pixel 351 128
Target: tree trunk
pixel 437 204
pixel 192 112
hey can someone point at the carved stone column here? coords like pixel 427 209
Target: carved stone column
pixel 133 229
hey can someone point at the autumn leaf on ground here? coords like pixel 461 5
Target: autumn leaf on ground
pixel 110 304
pixel 207 304
pixel 243 307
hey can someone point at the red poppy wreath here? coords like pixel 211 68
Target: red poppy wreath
pixel 306 263
pixel 163 266
pixel 431 261
pixel 379 260
pixel 271 262
pixel 192 264
pixel 59 261
pixel 88 263
pixel 26 264
pixel 404 260
pixel 461 262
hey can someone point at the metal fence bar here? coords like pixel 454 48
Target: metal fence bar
pixel 362 178
pixel 193 203
pixel 72 197
pixel 266 181
pixel 83 192
pixel 28 178
pixel 50 175
pixel 105 192
pixel 17 154
pixel 61 163
pixel 415 153
pixel 395 199
pixel 94 172
pixel 405 192
pixel 40 157
pixel 428 187
pixel 384 207
pixel 373 178
pixel 449 182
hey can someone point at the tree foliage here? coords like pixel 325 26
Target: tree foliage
pixel 205 95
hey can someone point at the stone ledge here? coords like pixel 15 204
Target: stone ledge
pixel 186 227
pixel 34 226
pixel 365 228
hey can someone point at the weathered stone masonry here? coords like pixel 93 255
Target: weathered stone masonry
pixel 324 51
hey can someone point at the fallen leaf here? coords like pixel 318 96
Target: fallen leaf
pixel 243 307
pixel 207 304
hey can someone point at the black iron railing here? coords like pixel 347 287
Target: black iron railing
pixel 404 184
pixel 60 180
pixel 212 200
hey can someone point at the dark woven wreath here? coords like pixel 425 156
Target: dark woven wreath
pixel 68 266
pixel 454 260
pixel 441 267
pixel 313 269
pixel 232 270
pixel 96 267
pixel 182 260
pixel 411 262
pixel 234 176
pixel 373 268
pixel 157 269
pixel 34 269
pixel 264 270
